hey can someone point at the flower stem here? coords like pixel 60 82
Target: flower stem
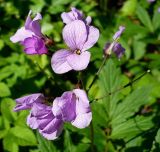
pixel 122 87
pixel 92 136
pixel 97 73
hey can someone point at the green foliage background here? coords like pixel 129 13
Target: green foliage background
pixel 128 120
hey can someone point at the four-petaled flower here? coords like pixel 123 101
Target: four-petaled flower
pixel 79 37
pixel 30 36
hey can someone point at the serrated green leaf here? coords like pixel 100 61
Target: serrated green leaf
pixel 4 90
pixel 144 17
pixel 23 136
pixel 130 105
pixel 131 128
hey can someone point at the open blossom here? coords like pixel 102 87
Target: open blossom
pixel 30 36
pixel 73 106
pixel 73 15
pixel 42 118
pixel 79 37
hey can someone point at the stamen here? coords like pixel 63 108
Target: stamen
pixel 78 52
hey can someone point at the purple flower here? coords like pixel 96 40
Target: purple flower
pixel 31 31
pixel 73 106
pixel 151 1
pixel 27 102
pixel 116 48
pixel 79 37
pixel 42 118
pixel 34 45
pixel 119 32
pixel 73 15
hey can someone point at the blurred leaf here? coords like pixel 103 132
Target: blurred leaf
pixel 45 145
pixel 4 90
pixel 7 106
pixel 9 144
pixel 144 17
pixel 156 20
pixel 23 136
pixel 129 7
pixel 139 49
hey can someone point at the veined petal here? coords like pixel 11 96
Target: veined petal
pixel 83 111
pixel 59 61
pixel 27 102
pixel 28 20
pixel 79 62
pixel 75 34
pixel 93 35
pixel 82 120
pixel 21 34
pixel 36 28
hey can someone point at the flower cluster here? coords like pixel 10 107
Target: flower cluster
pixel 73 106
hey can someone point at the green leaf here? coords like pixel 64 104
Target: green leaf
pixel 4 90
pixel 130 105
pixel 23 136
pixel 129 7
pixel 45 145
pixel 109 81
pixel 68 142
pixel 7 106
pixel 144 17
pixel 156 20
pixel 131 128
pixel 139 49
pixel 9 144
pixel 156 142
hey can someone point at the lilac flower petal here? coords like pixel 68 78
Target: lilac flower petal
pixel 93 35
pixel 118 50
pixel 119 32
pixel 36 28
pixel 82 120
pixel 88 20
pixel 32 121
pixel 59 61
pixel 83 111
pixel 26 102
pixel 75 34
pixel 65 106
pixel 34 45
pixel 69 17
pixel 53 134
pixel 21 34
pixel 28 20
pixel 79 62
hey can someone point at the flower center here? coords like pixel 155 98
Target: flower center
pixel 78 52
